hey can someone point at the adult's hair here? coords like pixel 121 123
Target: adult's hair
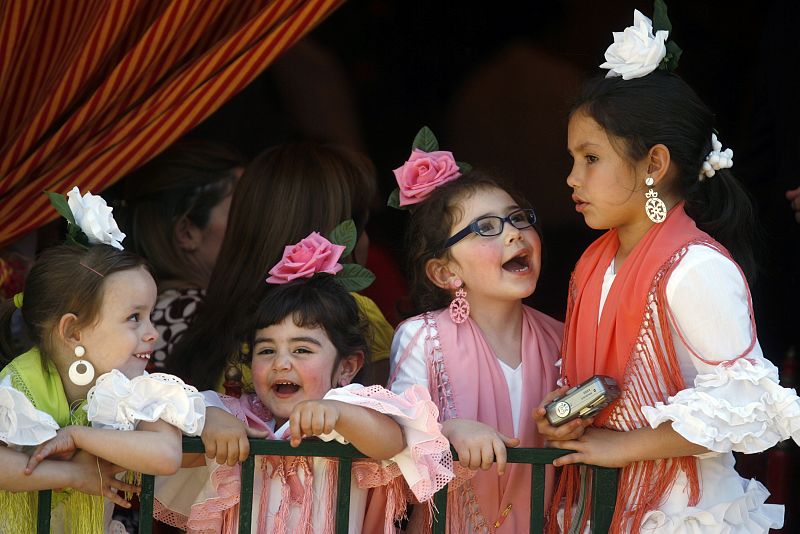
pixel 286 193
pixel 64 279
pixel 661 108
pixel 186 180
pixel 319 302
pixel 430 226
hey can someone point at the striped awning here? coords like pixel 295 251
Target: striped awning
pixel 91 89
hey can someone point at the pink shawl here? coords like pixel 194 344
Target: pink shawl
pixel 466 381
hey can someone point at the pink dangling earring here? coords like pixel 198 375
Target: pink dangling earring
pixel 459 306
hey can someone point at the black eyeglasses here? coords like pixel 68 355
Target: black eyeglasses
pixel 492 225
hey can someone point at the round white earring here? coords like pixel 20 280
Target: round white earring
pixel 655 208
pixel 81 372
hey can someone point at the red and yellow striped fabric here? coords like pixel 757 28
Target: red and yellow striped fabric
pixel 91 89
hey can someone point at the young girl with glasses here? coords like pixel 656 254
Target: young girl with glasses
pixel 486 358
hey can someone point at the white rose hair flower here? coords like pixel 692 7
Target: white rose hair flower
pixel 89 217
pixel 636 52
pixel 93 216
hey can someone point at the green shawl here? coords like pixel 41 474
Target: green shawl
pixel 39 380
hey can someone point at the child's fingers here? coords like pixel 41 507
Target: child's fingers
pixel 567 459
pixel 487 455
pixel 464 458
pixel 509 441
pixel 33 461
pixel 233 453
pixel 244 448
pixel 295 431
pixel 500 455
pixel 306 419
pixel 222 453
pixel 553 395
pixel 318 422
pixel 210 447
pixel 120 485
pixel 256 433
pixel 116 498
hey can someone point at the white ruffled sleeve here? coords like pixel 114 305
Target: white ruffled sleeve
pixel 426 462
pixel 408 352
pixel 735 404
pixel 120 403
pixel 21 424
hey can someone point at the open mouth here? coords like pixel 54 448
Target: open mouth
pixel 144 355
pixel 517 264
pixel 285 387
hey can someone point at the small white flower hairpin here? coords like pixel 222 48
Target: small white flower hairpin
pixel 716 159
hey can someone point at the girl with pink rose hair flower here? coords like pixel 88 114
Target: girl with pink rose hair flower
pixel 486 359
pixel 308 346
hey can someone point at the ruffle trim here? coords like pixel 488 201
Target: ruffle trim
pixel 21 424
pixel 747 514
pixel 120 403
pixel 739 407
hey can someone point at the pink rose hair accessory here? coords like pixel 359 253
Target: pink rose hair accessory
pixel 315 255
pixel 426 169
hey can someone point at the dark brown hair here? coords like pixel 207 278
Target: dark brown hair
pixel 661 108
pixel 318 302
pixel 63 280
pixel 187 180
pixel 286 193
pixel 430 226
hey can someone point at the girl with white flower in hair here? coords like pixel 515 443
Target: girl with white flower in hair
pixel 661 303
pixel 86 307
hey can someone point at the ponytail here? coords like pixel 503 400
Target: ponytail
pixel 722 208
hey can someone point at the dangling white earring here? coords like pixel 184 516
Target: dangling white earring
pixel 654 207
pixel 81 372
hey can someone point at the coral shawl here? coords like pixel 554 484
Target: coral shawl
pixel 466 381
pixel 628 345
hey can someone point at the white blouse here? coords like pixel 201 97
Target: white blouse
pixel 737 407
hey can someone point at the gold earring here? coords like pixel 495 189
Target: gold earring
pixel 654 207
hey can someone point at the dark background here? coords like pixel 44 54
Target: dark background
pixel 494 82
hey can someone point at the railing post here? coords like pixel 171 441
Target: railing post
pixel 146 504
pixel 439 511
pixel 343 496
pixel 43 511
pixel 246 495
pixel 604 497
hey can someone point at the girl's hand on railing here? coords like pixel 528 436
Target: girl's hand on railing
pixel 96 476
pixel 478 445
pixel 225 437
pixel 571 430
pixel 313 418
pixel 597 446
pixel 61 447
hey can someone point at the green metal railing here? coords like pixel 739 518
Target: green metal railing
pixel 604 485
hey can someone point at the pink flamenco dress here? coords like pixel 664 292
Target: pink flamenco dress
pixel 297 493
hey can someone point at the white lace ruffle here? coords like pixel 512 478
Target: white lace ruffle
pixel 745 515
pixel 120 403
pixel 21 424
pixel 738 407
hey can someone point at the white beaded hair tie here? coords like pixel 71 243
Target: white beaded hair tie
pixel 717 159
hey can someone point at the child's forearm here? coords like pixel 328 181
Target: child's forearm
pixel 50 474
pixel 661 442
pixel 375 434
pixel 153 448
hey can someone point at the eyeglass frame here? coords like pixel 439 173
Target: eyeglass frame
pixel 473 227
